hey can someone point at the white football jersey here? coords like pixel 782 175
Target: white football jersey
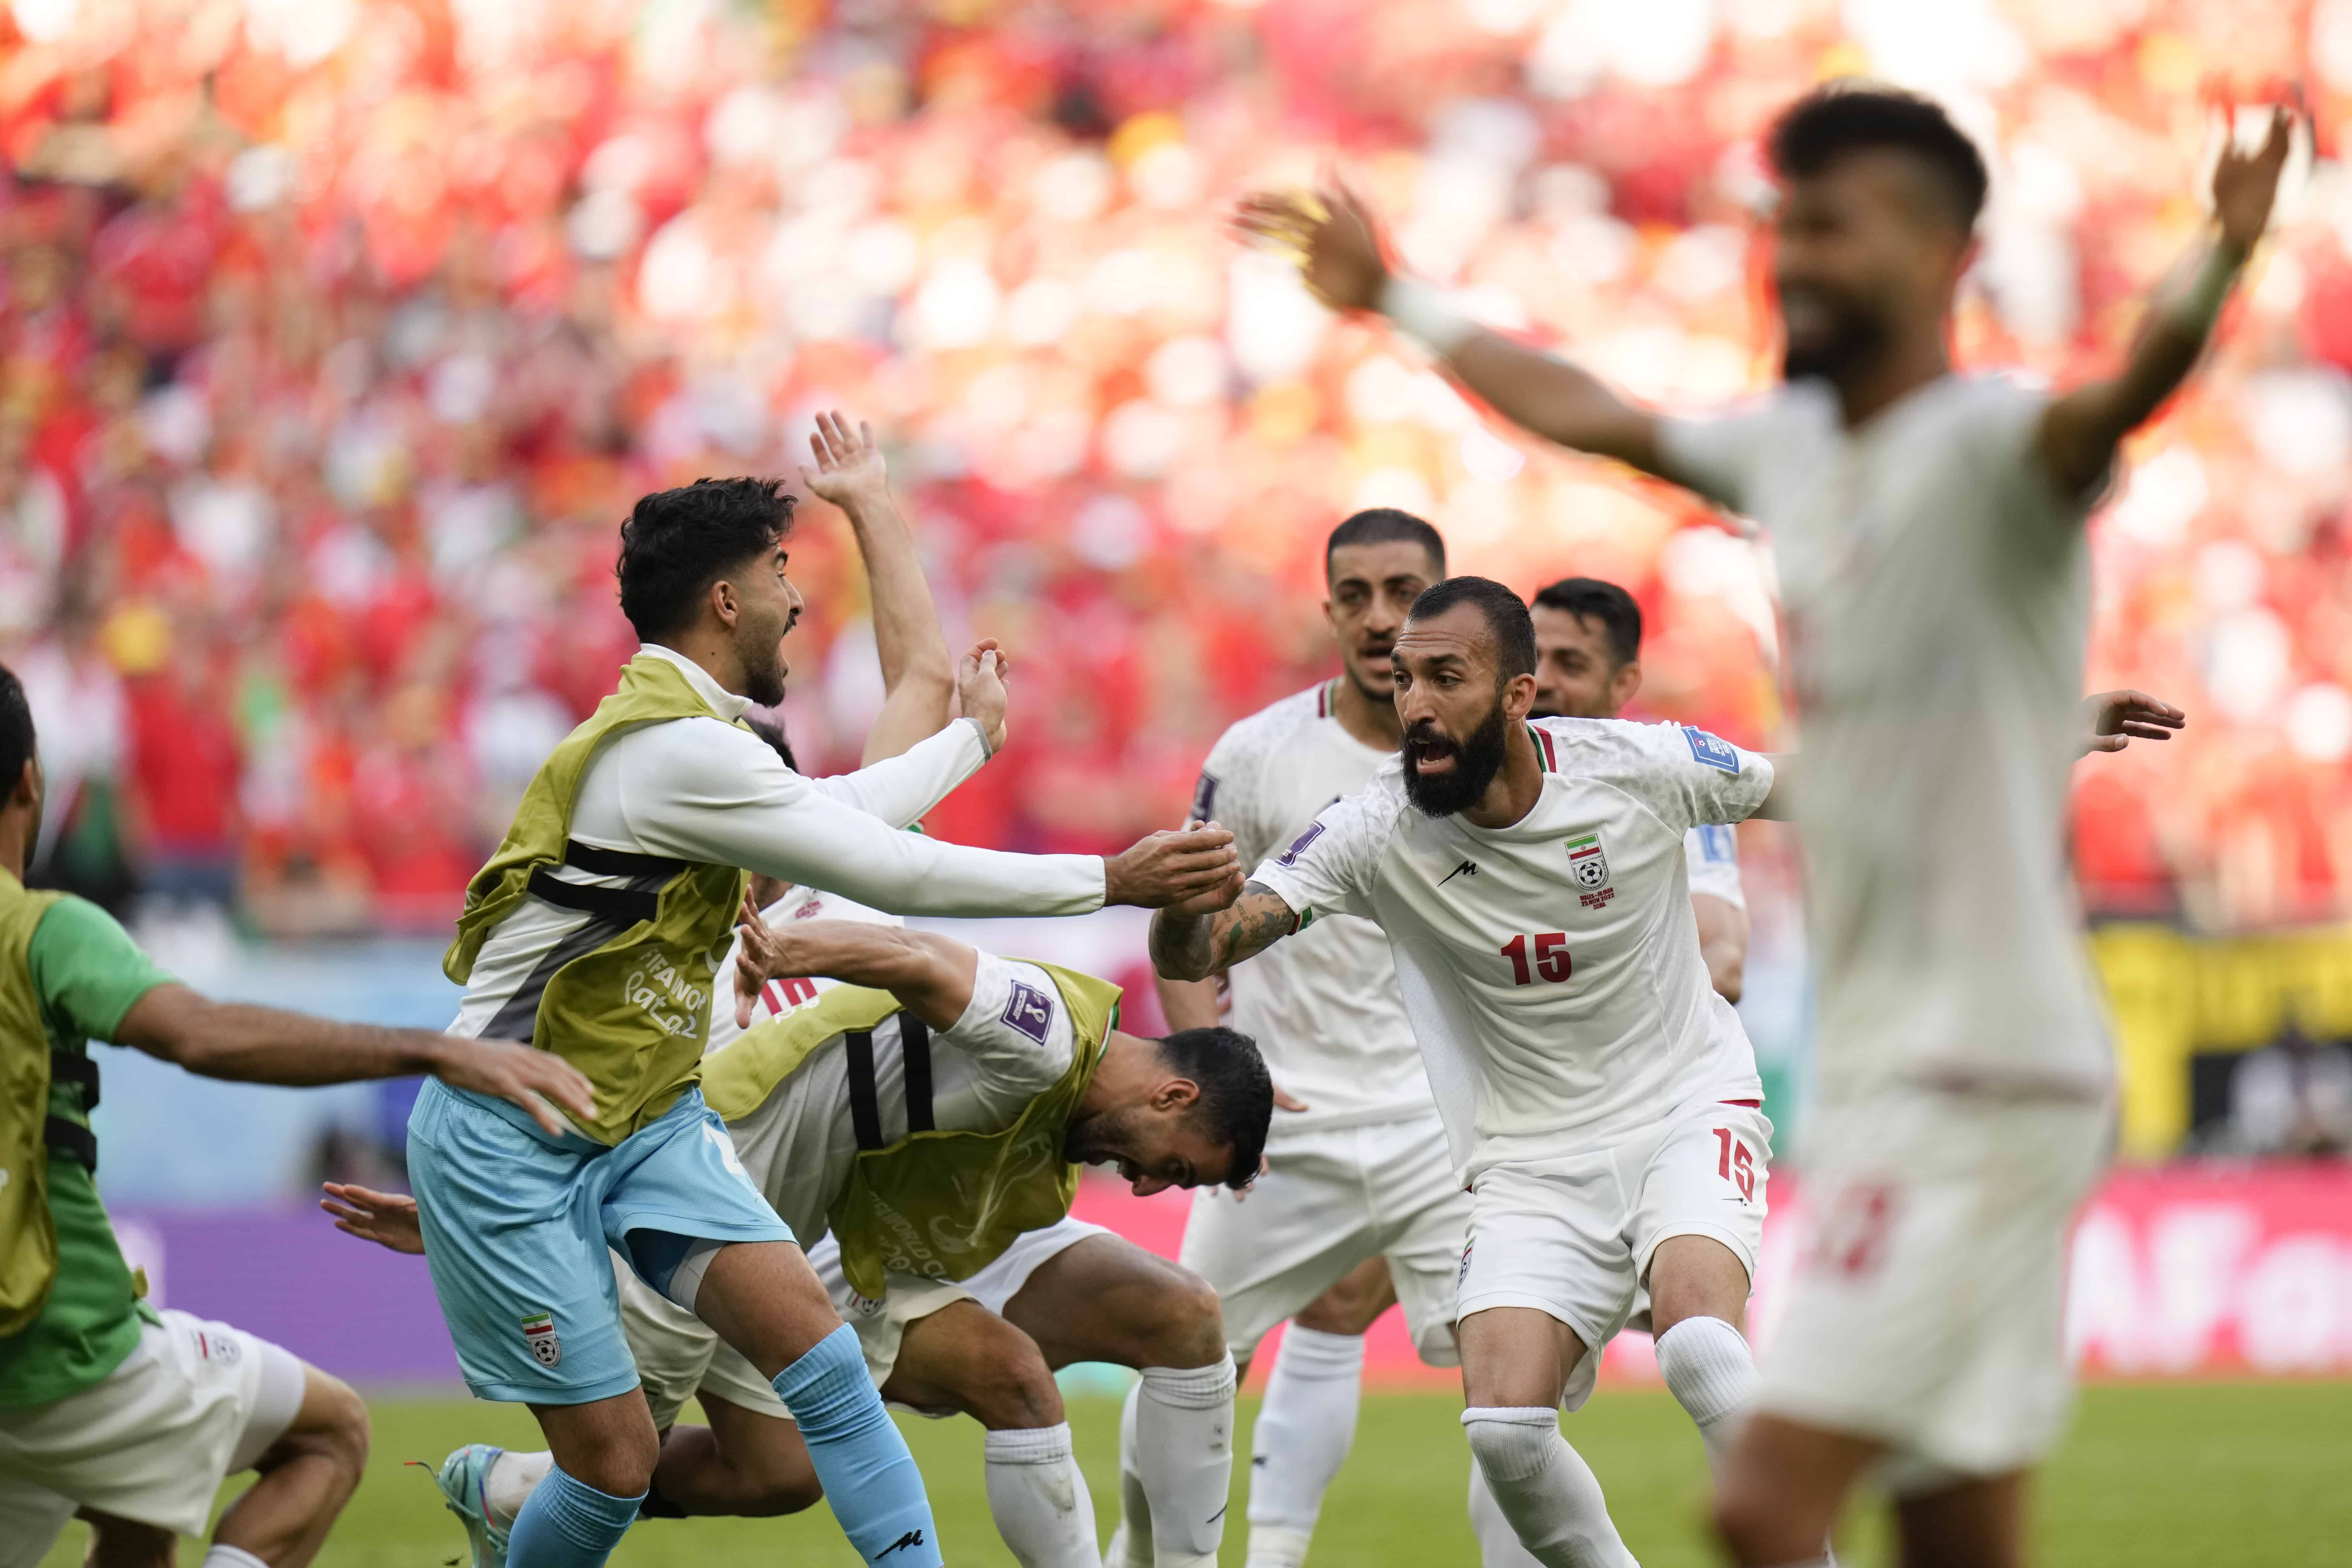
pixel 1322 1006
pixel 780 996
pixel 1937 589
pixel 1550 969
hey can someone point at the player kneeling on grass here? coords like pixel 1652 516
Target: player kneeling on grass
pixel 930 1113
pixel 111 1411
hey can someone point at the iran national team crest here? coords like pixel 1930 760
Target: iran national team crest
pixel 1588 863
pixel 539 1333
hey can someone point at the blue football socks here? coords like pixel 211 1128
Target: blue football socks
pixel 868 1477
pixel 567 1523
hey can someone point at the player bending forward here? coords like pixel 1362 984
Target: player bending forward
pixel 1598 1097
pixel 1929 527
pixel 1357 1167
pixel 111 1411
pixel 1010 1072
pixel 595 933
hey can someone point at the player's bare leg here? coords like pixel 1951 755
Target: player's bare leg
pixel 1516 1363
pixel 745 1464
pixel 1109 1299
pixel 307 1476
pixel 1782 1487
pixel 1308 1421
pixel 1698 1310
pixel 966 1358
pixel 1980 1524
pixel 127 1543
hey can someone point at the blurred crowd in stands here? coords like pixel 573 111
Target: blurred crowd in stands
pixel 337 336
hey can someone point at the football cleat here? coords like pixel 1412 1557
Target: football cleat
pixel 461 1478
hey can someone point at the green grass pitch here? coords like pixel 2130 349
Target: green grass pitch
pixel 2153 1476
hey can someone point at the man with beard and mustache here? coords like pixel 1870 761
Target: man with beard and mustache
pixel 916 1122
pixel 1598 1097
pixel 596 931
pixel 1358 1205
pixel 1928 528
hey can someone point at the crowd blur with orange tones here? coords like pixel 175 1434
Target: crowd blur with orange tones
pixel 337 336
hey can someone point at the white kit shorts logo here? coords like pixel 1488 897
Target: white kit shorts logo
pixel 539 1333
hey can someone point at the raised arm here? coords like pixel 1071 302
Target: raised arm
pixel 900 789
pixel 1340 255
pixel 1192 943
pixel 918 673
pixel 930 974
pixel 2080 431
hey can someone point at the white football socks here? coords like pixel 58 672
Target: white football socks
pixel 1712 1371
pixel 1176 1442
pixel 1544 1488
pixel 1498 1544
pixel 1130 1542
pixel 1303 1433
pixel 1039 1499
pixel 221 1556
pixel 507 1484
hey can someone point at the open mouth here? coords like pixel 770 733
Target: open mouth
pixel 1432 754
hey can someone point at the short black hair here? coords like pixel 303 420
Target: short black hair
pixel 1385 525
pixel 18 746
pixel 678 543
pixel 1590 598
pixel 1839 117
pixel 1236 1103
pixel 1514 629
pixel 774 735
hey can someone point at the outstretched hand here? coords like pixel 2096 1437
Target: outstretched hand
pixel 2246 183
pixel 980 686
pixel 1194 872
pixel 1333 235
pixel 388 1219
pixel 849 471
pixel 541 1083
pixel 2112 719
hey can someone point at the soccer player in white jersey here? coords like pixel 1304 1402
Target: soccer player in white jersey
pixel 1357 1166
pixel 1928 528
pixel 1589 666
pixel 1598 1096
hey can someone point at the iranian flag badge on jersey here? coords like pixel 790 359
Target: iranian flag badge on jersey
pixel 1588 863
pixel 539 1333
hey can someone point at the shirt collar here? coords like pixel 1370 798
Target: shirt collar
pixel 723 702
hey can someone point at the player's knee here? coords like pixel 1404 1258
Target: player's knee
pixel 1010 1386
pixel 1186 1326
pixel 333 1424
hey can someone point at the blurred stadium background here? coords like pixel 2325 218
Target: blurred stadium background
pixel 337 335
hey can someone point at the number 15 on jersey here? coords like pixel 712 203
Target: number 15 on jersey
pixel 1552 961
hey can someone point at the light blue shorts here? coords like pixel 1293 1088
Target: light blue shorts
pixel 517 1227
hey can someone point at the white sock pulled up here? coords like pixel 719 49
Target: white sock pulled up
pixel 1711 1371
pixel 221 1556
pixel 1498 1544
pixel 1039 1499
pixel 1182 1460
pixel 1544 1487
pixel 1303 1433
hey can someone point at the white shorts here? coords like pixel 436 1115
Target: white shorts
pixel 194 1403
pixel 1573 1237
pixel 1926 1307
pixel 1331 1198
pixel 678 1356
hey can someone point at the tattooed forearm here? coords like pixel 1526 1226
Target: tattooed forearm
pixel 1193 947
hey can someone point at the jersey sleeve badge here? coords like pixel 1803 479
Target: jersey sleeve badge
pixel 1712 752
pixel 1298 844
pixel 1028 1011
pixel 1205 797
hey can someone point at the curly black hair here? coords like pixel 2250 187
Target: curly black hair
pixel 678 543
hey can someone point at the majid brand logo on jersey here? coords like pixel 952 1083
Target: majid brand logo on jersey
pixel 1587 864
